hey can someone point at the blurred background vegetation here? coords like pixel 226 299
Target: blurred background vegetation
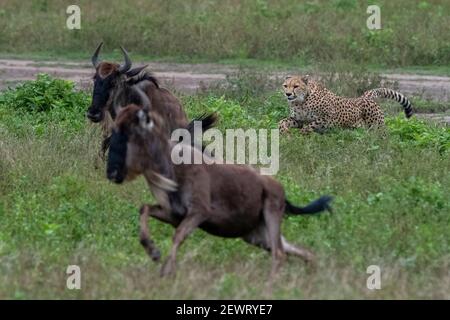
pixel 301 32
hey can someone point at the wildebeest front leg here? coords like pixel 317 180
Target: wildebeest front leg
pixel 144 234
pixel 185 228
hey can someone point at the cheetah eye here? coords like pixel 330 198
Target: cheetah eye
pixel 285 85
pixel 295 87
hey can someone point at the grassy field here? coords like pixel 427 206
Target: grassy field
pixel 57 209
pixel 414 33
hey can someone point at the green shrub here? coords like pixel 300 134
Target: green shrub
pixel 419 133
pixel 234 114
pixel 43 94
pixel 41 104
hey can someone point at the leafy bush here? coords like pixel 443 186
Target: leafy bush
pixel 44 94
pixel 418 132
pixel 41 104
pixel 234 114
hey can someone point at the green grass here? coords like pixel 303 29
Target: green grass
pixel 57 209
pixel 299 33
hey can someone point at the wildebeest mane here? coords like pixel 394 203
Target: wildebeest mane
pixel 127 94
pixel 143 76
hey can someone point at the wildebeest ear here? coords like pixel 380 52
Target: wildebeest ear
pixel 135 71
pixel 305 79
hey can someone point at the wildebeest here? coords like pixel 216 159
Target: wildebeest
pixel 223 199
pixel 118 85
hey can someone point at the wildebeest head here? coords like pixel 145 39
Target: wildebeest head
pixel 134 142
pixel 107 76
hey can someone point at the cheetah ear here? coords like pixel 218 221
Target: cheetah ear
pixel 305 79
pixel 287 77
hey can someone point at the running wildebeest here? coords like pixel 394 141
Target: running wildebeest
pixel 114 87
pixel 223 199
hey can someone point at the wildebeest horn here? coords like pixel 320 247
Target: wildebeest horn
pixel 125 67
pixel 144 100
pixel 136 71
pixel 94 58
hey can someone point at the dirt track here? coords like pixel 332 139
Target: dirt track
pixel 185 77
pixel 189 77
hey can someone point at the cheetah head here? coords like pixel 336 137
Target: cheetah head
pixel 296 88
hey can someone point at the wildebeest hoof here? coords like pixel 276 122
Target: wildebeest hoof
pixel 155 255
pixel 310 259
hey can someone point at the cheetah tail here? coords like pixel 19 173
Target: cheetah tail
pixel 391 94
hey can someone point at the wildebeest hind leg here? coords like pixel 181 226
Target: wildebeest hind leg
pixel 272 218
pixel 297 250
pixel 258 237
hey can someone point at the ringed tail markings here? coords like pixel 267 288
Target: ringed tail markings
pixel 391 94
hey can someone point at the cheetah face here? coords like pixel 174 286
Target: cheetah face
pixel 296 89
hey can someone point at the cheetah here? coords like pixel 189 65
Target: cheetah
pixel 313 108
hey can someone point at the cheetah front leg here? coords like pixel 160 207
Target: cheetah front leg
pixel 287 123
pixel 316 126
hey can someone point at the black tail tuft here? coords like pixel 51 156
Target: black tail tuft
pixel 319 205
pixel 208 121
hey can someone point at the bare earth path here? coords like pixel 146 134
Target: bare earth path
pixel 188 78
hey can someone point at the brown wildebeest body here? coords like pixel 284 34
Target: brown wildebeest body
pixel 224 200
pixel 166 105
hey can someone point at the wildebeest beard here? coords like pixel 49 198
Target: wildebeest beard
pixel 117 170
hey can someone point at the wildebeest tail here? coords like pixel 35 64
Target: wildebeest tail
pixel 391 94
pixel 316 206
pixel 208 121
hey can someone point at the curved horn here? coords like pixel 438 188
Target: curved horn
pixel 94 58
pixel 144 100
pixel 125 67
